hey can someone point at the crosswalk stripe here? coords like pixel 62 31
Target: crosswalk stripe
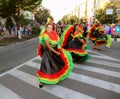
pixel 104 63
pixel 84 67
pixel 102 55
pixel 18 66
pixel 6 93
pixel 33 64
pixel 100 62
pixel 96 82
pixel 64 92
pixel 56 90
pixel 80 86
pixel 38 58
pixel 97 56
pixel 98 70
pixel 89 80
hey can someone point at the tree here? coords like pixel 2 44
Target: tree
pixel 42 15
pixel 7 8
pixel 9 22
pixel 14 8
pixel 65 19
pixel 83 20
pixel 69 20
pixel 101 14
pixel 73 19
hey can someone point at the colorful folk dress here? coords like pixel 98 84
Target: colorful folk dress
pixel 54 68
pixel 75 43
pixel 98 36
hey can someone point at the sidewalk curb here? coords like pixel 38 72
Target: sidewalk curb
pixel 16 43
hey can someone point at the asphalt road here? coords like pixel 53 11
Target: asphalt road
pixel 16 54
pixel 113 51
pixel 97 78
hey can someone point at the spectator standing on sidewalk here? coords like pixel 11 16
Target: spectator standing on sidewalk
pixel 4 30
pixel 117 29
pixel 19 33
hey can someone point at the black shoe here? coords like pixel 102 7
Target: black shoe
pixel 41 85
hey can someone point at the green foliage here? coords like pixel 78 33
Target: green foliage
pixel 7 8
pixel 73 19
pixel 102 17
pixel 13 7
pixel 35 30
pixel 70 20
pixel 83 20
pixel 42 15
pixel 23 21
pixel 64 19
pixel 9 22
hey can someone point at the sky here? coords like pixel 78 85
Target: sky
pixel 59 8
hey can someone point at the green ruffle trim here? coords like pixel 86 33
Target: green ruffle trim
pixel 62 38
pixel 43 38
pixel 85 58
pixel 70 64
pixel 86 47
pixel 69 60
pixel 42 31
pixel 109 41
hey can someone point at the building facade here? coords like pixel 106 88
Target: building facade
pixel 87 9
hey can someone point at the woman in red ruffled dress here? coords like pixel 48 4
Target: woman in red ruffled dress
pixel 56 62
pixel 73 41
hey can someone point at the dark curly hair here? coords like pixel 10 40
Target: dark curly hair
pixel 75 27
pixel 50 23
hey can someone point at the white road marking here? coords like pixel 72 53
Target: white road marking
pixel 98 70
pixel 96 82
pixel 104 56
pixel 6 93
pixel 17 67
pixel 56 90
pixel 110 64
pixel 89 80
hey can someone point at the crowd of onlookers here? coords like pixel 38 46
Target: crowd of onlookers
pixel 16 31
pixel 111 29
pixel 26 30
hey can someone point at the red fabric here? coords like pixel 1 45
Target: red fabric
pixel 53 35
pixel 39 52
pixel 66 36
pixel 99 43
pixel 57 74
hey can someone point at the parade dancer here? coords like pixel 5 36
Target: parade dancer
pixel 56 62
pixel 98 37
pixel 73 41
